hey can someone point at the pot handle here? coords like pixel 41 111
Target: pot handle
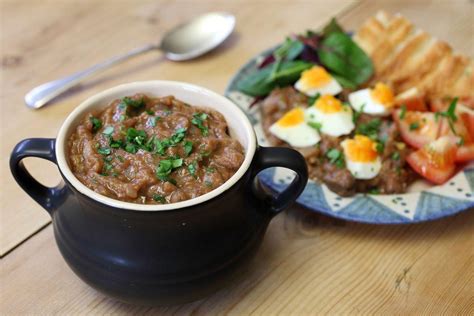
pixel 43 148
pixel 267 157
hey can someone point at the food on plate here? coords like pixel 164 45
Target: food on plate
pixel 317 80
pixel 326 160
pixel 362 157
pixel 435 161
pixel 150 150
pixel 408 57
pixel 330 116
pixel 377 101
pixel 293 129
pixel 370 113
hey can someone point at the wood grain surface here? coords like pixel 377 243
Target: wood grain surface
pixel 308 263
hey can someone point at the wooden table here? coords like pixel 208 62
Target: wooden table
pixel 308 264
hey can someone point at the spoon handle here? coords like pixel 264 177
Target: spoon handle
pixel 44 93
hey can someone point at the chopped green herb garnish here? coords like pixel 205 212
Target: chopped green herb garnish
pixel 198 120
pixel 149 112
pixel 96 123
pixel 166 166
pixel 380 147
pixel 122 117
pixel 460 141
pixel 370 129
pixel 133 103
pixel 317 126
pixel 336 157
pixel 396 156
pixel 192 168
pixel 188 147
pixel 159 198
pixel 109 130
pixel 403 112
pixel 115 143
pixel 357 114
pixel 414 126
pixel 104 151
pixel 312 100
pixel 131 148
pixel 120 158
pixel 450 115
pixel 178 136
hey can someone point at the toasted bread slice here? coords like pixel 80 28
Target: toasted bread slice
pixel 406 57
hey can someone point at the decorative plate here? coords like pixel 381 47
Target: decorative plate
pixel 423 202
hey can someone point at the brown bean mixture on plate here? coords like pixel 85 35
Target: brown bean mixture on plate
pixel 153 150
pixel 395 175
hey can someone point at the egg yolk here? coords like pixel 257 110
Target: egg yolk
pixel 292 118
pixel 315 77
pixel 383 94
pixel 328 104
pixel 360 149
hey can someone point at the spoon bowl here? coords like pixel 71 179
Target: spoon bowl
pixel 198 36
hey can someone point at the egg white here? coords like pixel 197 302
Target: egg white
pixel 362 101
pixel 300 135
pixel 362 170
pixel 333 124
pixel 332 87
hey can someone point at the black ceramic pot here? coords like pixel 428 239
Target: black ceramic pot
pixel 160 254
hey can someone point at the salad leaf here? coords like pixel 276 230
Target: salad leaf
pixel 264 80
pixel 289 50
pixel 345 58
pixel 332 27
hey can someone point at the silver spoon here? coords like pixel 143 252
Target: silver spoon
pixel 187 41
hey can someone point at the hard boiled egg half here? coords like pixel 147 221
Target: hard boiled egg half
pixel 377 101
pixel 293 129
pixel 333 117
pixel 317 80
pixel 362 159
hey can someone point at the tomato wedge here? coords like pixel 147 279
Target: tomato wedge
pixel 435 161
pixel 457 128
pixel 416 128
pixel 464 112
pixel 465 153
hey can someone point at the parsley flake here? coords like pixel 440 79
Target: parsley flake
pixel 198 120
pixel 317 126
pixel 413 126
pixel 336 157
pixel 159 198
pixel 403 112
pixel 192 168
pixel 105 151
pixel 188 147
pixel 96 123
pixel 166 166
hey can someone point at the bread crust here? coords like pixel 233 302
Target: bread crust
pixel 406 57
